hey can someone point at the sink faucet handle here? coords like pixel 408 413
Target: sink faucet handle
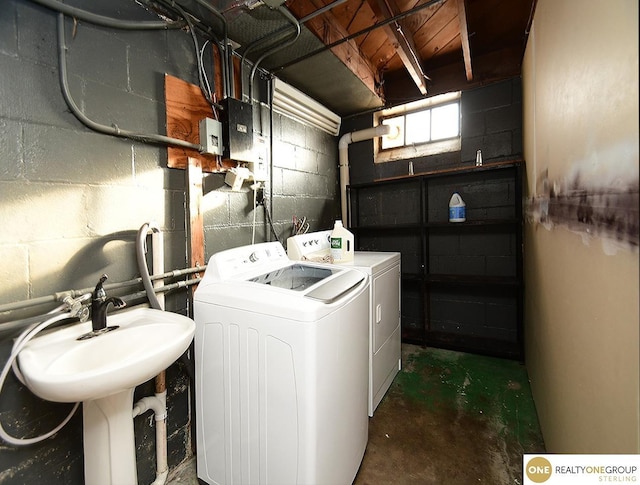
pixel 116 302
pixel 98 292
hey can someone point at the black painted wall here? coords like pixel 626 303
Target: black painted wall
pixel 491 121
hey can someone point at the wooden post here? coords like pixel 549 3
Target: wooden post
pixel 195 221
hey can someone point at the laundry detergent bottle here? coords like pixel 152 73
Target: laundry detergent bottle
pixel 341 244
pixel 457 209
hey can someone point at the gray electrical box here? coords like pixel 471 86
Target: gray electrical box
pixel 210 136
pixel 237 130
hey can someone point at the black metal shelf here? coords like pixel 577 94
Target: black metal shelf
pixel 455 292
pixel 387 227
pixel 471 280
pixel 471 224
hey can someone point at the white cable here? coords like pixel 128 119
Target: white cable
pixel 255 198
pixel 205 77
pixel 19 344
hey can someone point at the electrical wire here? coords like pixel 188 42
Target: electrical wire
pixel 300 226
pixel 273 231
pixel 255 199
pixel 209 90
pixel 205 91
pixel 281 45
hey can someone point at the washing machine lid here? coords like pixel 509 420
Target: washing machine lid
pixel 303 277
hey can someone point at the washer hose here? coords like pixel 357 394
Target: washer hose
pixel 141 250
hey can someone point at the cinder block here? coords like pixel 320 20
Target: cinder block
pixel 497 145
pixel 473 124
pixel 292 131
pixel 8 30
pixel 38 34
pixel 501 265
pixel 109 105
pixel 107 66
pixel 147 66
pixel 44 103
pixel 14 272
pixel 284 154
pixel 11 166
pixel 54 154
pixel 503 118
pixel 488 97
pixel 41 211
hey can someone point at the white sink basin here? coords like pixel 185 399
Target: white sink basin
pixel 58 367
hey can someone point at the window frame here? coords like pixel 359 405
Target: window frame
pixel 431 147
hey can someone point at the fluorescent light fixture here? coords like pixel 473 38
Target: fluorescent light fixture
pixel 293 103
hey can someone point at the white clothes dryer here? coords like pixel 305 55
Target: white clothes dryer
pixel 281 369
pixel 385 335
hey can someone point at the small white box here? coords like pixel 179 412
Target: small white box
pixel 236 176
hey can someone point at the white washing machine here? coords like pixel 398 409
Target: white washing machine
pixel 385 335
pixel 281 369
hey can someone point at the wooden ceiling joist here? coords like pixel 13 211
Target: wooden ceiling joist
pixel 401 37
pixel 464 38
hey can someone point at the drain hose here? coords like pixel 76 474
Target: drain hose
pixel 19 344
pixel 141 250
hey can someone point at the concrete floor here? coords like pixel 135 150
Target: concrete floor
pixel 449 418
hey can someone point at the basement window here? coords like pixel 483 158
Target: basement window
pixel 425 127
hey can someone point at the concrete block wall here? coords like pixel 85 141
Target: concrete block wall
pixel 72 200
pixel 491 121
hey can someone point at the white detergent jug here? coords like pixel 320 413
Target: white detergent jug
pixel 457 208
pixel 341 244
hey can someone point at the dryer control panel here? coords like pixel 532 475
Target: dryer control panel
pixel 306 246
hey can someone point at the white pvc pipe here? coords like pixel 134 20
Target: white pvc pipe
pixel 343 154
pixel 157 404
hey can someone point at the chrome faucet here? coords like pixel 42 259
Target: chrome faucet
pixel 99 304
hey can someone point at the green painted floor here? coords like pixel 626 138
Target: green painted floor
pixel 449 418
pixel 452 418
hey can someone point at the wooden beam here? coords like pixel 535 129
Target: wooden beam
pixel 328 29
pixel 464 38
pixel 402 39
pixel 195 219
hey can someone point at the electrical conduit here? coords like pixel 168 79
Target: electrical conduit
pixel 107 130
pixel 343 152
pixel 294 21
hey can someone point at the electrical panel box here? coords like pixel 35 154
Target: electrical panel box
pixel 237 130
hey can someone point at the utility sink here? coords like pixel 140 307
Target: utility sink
pixel 58 367
pixel 102 372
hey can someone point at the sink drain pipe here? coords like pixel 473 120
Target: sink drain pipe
pixel 343 153
pixel 158 402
